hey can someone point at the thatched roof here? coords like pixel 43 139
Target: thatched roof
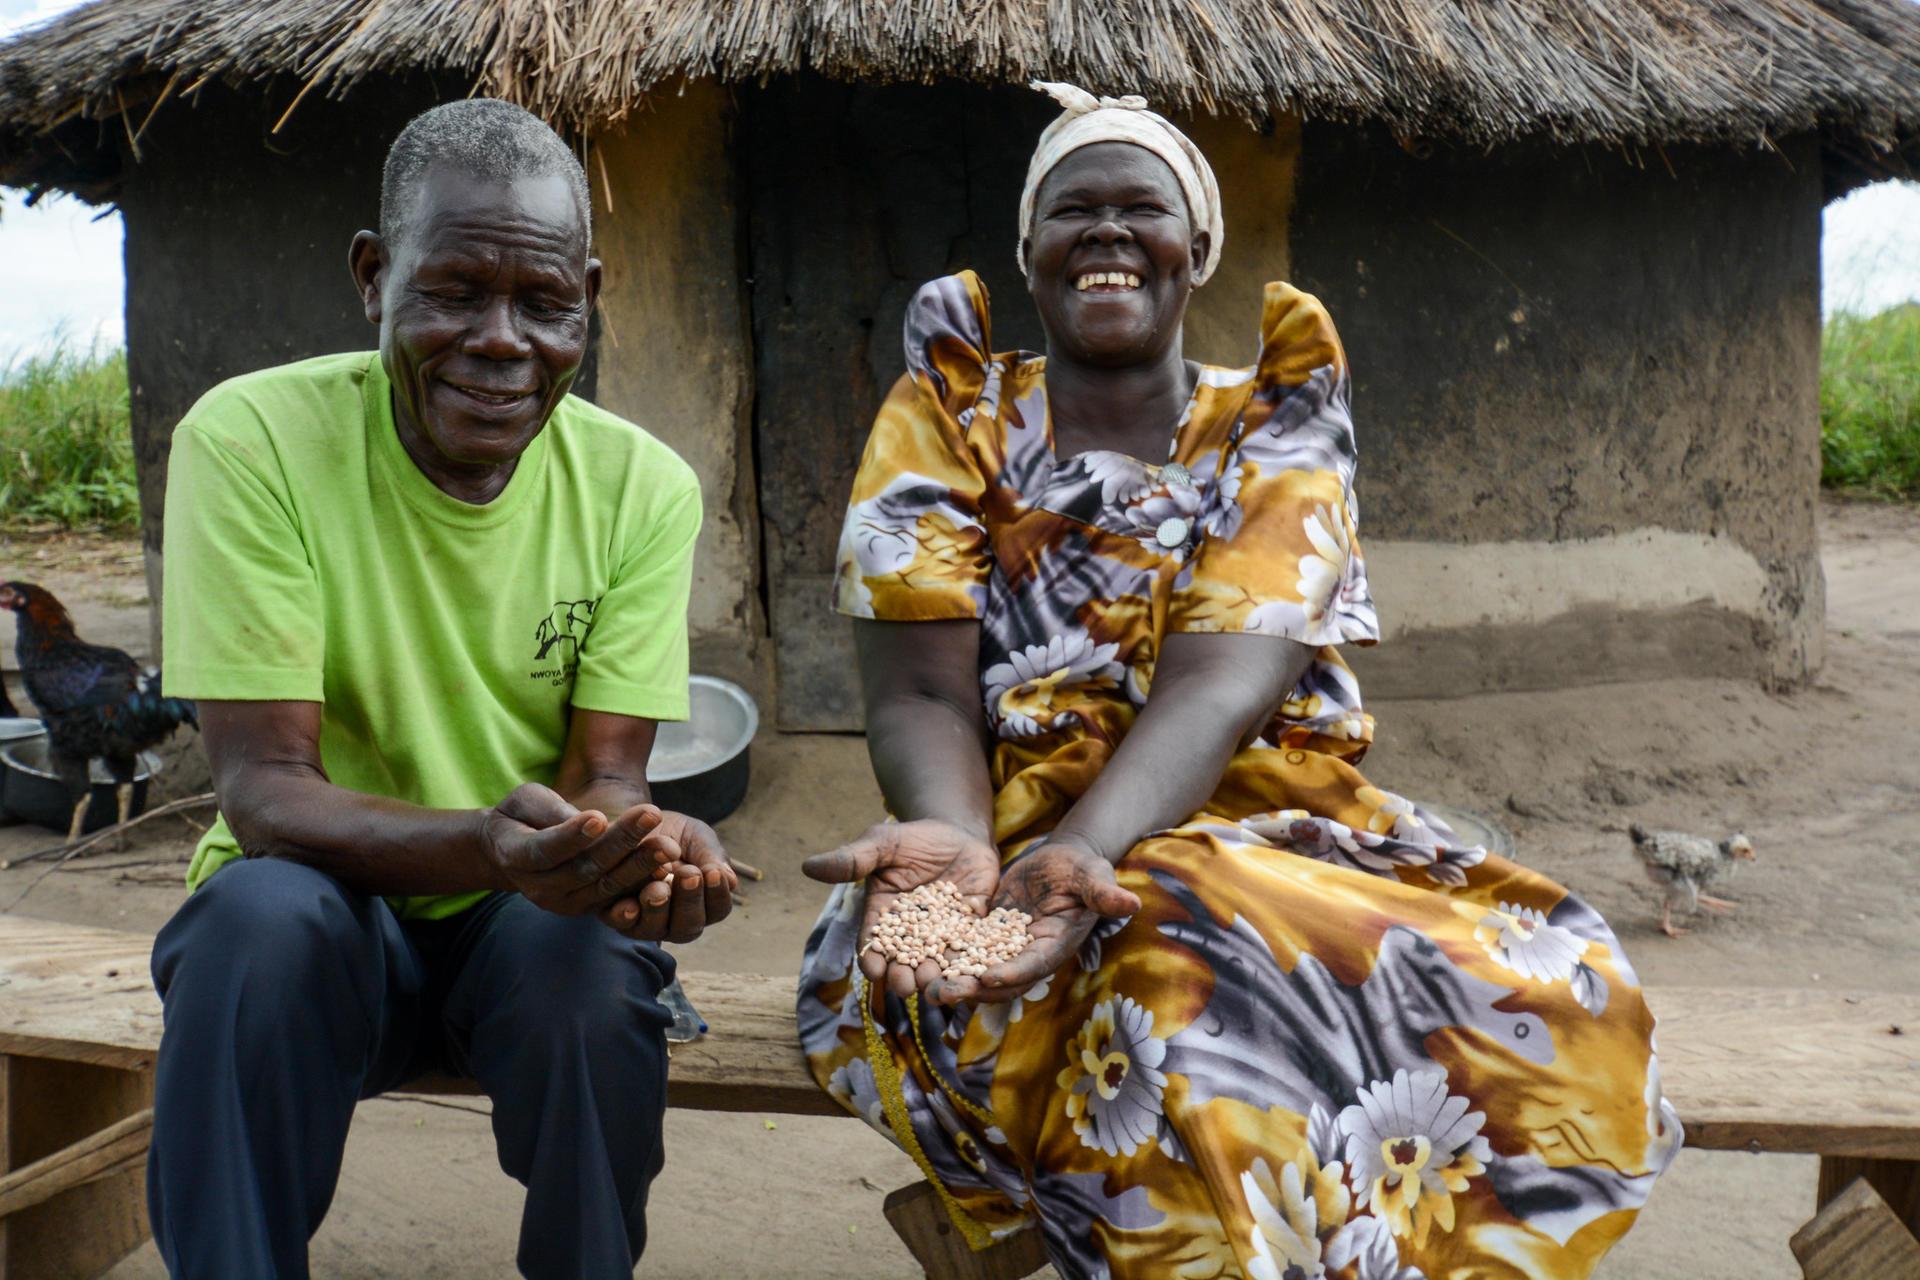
pixel 1624 72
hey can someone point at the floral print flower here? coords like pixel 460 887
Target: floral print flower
pixel 1322 568
pixel 1223 509
pixel 1090 950
pixel 1287 1216
pixel 1113 1078
pixel 1121 479
pixel 1519 938
pixel 1177 502
pixel 997 1017
pixel 854 1087
pixel 1020 691
pixel 1394 816
pixel 1411 1146
pixel 1301 1227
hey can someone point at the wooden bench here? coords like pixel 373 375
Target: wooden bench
pixel 1832 1073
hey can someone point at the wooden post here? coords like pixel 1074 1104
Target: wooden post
pixel 1855 1236
pixel 921 1221
pixel 46 1107
pixel 1897 1181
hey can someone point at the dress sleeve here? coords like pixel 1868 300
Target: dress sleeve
pixel 1280 553
pixel 914 546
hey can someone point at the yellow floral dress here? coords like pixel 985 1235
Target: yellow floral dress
pixel 1334 1042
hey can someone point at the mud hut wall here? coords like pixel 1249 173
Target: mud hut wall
pixel 1256 172
pixel 1586 393
pixel 856 195
pixel 675 347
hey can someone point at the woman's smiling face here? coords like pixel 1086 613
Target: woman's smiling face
pixel 1111 255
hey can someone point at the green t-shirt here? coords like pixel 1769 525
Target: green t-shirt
pixel 308 559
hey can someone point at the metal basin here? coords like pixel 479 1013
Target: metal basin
pixel 1474 828
pixel 32 792
pixel 699 766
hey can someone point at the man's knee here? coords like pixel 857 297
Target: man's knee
pixel 270 925
pixel 575 980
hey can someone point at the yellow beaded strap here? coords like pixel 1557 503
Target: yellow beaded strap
pixel 886 1077
pixel 965 1103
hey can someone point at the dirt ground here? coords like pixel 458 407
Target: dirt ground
pixel 1824 779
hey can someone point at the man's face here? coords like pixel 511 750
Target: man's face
pixel 482 307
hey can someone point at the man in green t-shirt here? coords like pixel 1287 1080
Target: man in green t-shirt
pixel 432 608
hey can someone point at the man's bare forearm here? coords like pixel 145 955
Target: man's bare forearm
pixel 369 843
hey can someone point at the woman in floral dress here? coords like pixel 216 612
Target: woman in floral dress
pixel 1276 1022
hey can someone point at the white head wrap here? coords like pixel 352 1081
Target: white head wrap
pixel 1088 120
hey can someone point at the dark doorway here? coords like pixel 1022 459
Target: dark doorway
pixel 856 196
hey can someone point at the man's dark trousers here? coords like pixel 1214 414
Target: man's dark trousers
pixel 289 998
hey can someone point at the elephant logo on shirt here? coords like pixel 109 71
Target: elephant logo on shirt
pixel 565 629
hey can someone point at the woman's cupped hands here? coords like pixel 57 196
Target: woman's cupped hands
pixel 1065 888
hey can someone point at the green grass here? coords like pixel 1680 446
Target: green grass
pixel 66 455
pixel 1870 403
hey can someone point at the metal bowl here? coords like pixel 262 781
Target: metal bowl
pixel 699 765
pixel 32 792
pixel 1474 827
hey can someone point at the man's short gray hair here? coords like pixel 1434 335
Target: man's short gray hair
pixel 485 137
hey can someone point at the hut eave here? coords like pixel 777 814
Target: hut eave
pixel 1634 73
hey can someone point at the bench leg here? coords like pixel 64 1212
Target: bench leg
pixel 921 1221
pixel 46 1107
pixel 1856 1236
pixel 1897 1181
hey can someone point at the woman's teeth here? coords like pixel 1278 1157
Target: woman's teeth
pixel 1107 279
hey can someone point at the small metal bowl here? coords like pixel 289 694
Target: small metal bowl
pixel 32 792
pixel 699 765
pixel 1474 828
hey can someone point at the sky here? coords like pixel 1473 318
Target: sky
pixel 60 261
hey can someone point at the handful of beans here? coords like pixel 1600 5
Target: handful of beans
pixel 933 922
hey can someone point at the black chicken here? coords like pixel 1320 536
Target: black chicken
pixel 95 701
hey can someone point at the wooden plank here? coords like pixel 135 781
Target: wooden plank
pixel 81 994
pixel 750 1059
pixel 85 1229
pixel 1828 1072
pixel 1857 1237
pixel 1749 1070
pixel 77 993
pixel 109 1151
pixel 921 1221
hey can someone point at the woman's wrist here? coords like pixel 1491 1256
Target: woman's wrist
pixel 978 826
pixel 1070 842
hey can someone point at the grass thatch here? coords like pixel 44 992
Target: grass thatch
pixel 1482 71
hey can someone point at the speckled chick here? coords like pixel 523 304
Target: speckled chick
pixel 1683 866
